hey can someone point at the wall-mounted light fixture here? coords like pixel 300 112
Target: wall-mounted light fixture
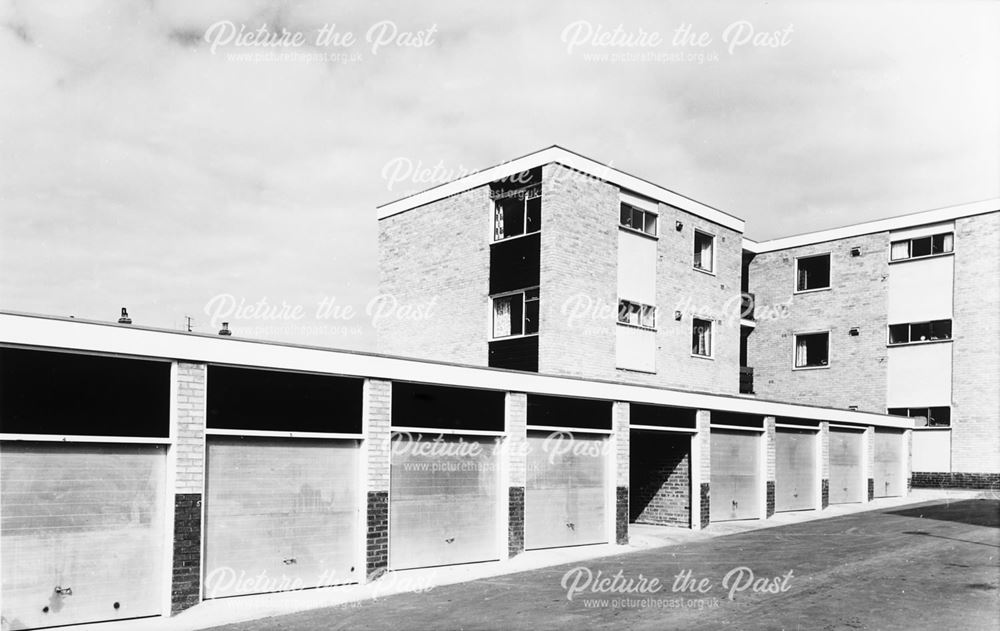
pixel 225 329
pixel 854 332
pixel 679 226
pixel 677 316
pixel 855 251
pixel 124 319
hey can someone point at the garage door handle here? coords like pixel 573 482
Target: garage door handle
pixel 449 540
pixel 64 591
pixel 289 561
pixel 571 525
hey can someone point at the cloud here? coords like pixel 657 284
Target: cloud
pixel 140 168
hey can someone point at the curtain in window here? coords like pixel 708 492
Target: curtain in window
pixel 949 242
pixel 497 221
pixel 801 354
pixel 501 316
pixel 705 255
pixel 702 338
pixel 900 250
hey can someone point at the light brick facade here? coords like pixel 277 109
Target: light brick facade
pixel 858 297
pixel 975 417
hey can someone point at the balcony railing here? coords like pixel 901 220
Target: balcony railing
pixel 746 380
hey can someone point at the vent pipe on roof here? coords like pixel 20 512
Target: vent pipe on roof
pixel 124 319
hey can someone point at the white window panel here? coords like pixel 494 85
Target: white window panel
pixel 736 480
pixel 795 469
pixel 921 290
pixel 847 483
pixel 82 518
pixel 286 510
pixel 636 268
pixel 635 349
pixel 888 474
pixel 919 374
pixel 443 505
pixel 565 498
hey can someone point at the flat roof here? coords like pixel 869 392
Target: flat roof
pixel 572 160
pixel 78 335
pixel 898 222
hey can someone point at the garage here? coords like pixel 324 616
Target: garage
pixel 283 502
pixel 889 457
pixel 565 497
pixel 444 483
pixel 737 481
pixel 280 514
pixel 83 515
pixel 796 484
pixel 660 464
pixel 566 494
pixel 847 482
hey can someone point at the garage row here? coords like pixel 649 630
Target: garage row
pixel 135 487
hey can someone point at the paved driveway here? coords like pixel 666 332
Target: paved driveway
pixel 929 566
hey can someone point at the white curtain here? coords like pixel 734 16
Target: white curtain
pixel 900 250
pixel 801 356
pixel 705 261
pixel 501 316
pixel 949 242
pixel 497 221
pixel 702 338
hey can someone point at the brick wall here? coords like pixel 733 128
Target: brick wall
pixel 378 419
pixel 516 456
pixel 824 463
pixel 189 482
pixel 703 465
pixel 622 446
pixel 975 416
pixel 660 483
pixel 579 266
pixel 858 297
pixel 947 479
pixel 770 464
pixel 439 251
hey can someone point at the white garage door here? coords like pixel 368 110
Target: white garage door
pixel 82 532
pixel 795 469
pixel 888 472
pixel 566 495
pixel 442 501
pixel 847 483
pixel 281 514
pixel 735 489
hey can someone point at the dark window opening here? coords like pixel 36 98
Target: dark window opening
pixel 932 416
pixel 446 407
pixel 704 251
pixel 273 400
pixel 813 272
pixel 516 211
pixel 812 350
pixel 920 332
pixel 516 314
pixel 544 410
pixel 638 219
pixel 922 246
pixel 71 394
pixel 661 416
pixel 701 337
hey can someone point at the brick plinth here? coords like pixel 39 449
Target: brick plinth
pixel 871 489
pixel 186 586
pixel 621 515
pixel 515 521
pixel 770 497
pixel 378 534
pixel 826 493
pixel 705 506
pixel 946 480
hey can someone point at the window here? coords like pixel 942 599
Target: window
pixel 638 219
pixel 919 332
pixel 515 314
pixel 517 212
pixel 701 337
pixel 935 416
pixel 812 350
pixel 922 246
pixel 636 314
pixel 812 272
pixel 704 251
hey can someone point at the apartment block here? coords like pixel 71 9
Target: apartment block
pixel 558 264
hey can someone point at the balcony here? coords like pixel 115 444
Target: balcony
pixel 746 380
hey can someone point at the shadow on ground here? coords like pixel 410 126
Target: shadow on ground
pixel 977 512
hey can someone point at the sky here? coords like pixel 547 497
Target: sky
pixel 223 160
